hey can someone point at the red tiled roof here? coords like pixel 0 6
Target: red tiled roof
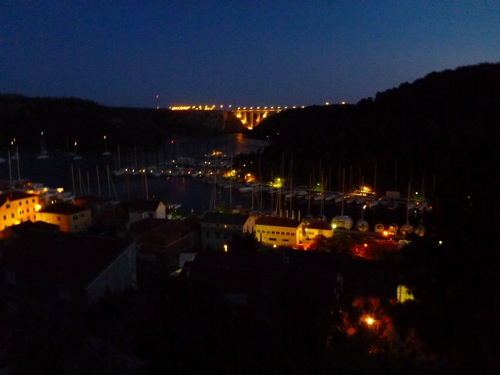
pixel 143 205
pixel 217 218
pixel 14 196
pixel 146 225
pixel 63 209
pixel 82 199
pixel 277 221
pixel 161 232
pixel 61 258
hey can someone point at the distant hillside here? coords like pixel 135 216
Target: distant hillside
pixel 70 119
pixel 443 128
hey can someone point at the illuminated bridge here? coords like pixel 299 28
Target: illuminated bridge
pixel 249 116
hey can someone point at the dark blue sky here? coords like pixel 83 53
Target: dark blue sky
pixel 124 53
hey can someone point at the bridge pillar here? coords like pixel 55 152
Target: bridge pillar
pixel 250 123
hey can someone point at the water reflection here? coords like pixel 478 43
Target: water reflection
pixel 92 173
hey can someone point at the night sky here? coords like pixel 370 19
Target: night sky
pixel 244 53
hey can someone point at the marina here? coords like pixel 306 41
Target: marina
pixel 195 176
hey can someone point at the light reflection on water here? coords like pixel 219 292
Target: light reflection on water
pixel 90 174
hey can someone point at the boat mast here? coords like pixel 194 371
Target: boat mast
pixel 73 178
pixel 18 169
pixel 10 169
pixel 98 182
pixel 343 187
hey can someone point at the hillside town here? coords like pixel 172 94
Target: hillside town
pixel 299 273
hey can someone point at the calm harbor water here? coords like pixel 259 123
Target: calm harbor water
pixel 89 175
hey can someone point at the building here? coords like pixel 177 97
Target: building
pixel 161 242
pixel 143 209
pixel 52 272
pixel 218 230
pixel 318 228
pixel 279 231
pixel 68 217
pixel 17 207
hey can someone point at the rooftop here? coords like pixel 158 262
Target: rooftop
pixel 217 218
pixel 63 209
pixel 14 196
pixel 277 221
pixel 63 258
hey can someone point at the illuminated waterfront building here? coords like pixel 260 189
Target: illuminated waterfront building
pixel 279 231
pixel 17 207
pixel 68 217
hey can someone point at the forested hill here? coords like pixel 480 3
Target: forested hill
pixel 443 127
pixel 70 119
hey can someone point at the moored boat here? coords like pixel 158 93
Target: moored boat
pixel 342 221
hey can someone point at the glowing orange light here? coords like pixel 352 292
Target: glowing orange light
pixel 369 320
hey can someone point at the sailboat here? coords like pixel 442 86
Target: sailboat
pixel 407 228
pixel 119 170
pixel 362 225
pixel 43 149
pixel 76 156
pixel 342 221
pixel 105 152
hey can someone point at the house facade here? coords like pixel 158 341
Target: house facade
pixel 160 242
pixel 279 231
pixel 318 228
pixel 68 217
pixel 17 207
pixel 218 230
pixel 140 209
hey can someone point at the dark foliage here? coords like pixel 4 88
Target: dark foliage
pixel 67 120
pixel 443 127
